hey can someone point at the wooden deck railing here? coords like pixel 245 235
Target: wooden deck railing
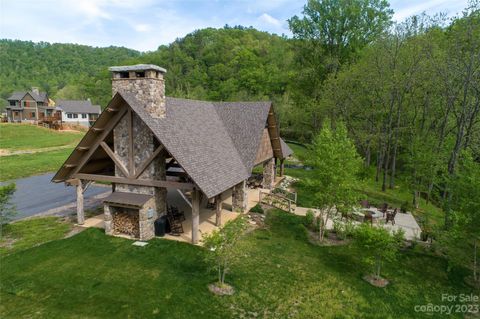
pixel 286 201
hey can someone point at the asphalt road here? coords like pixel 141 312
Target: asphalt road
pixel 36 194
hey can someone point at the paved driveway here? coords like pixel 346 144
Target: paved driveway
pixel 36 194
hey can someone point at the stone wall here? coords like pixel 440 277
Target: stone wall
pixel 269 174
pixel 240 197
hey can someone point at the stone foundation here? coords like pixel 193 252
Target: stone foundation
pixel 240 197
pixel 269 174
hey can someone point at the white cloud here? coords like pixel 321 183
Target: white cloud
pixel 268 19
pixel 142 27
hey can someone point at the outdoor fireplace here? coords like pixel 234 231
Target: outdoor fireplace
pixel 130 214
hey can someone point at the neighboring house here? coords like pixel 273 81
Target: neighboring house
pixel 78 112
pixel 144 143
pixel 28 106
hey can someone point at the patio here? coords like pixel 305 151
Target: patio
pixel 406 222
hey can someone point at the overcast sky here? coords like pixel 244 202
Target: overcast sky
pixel 145 24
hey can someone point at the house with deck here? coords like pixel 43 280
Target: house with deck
pixel 148 145
pixel 80 112
pixel 29 106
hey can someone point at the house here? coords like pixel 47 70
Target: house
pixel 80 112
pixel 144 143
pixel 28 106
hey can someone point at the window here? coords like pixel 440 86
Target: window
pixel 69 115
pixel 75 116
pixel 12 103
pixel 15 113
pixel 33 114
pixel 84 116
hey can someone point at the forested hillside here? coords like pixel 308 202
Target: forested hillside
pixel 408 92
pixel 62 70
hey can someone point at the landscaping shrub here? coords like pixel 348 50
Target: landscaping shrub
pixel 257 209
pixel 309 218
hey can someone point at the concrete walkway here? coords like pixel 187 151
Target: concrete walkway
pixel 402 221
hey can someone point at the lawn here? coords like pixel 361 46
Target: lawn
pixel 281 275
pixel 26 136
pixel 28 233
pixel 17 166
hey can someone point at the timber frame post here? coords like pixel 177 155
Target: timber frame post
pixel 80 210
pixel 282 167
pixel 218 210
pixel 195 215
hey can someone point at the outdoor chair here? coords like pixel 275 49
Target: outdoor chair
pixel 365 204
pixel 178 215
pixel 383 208
pixel 368 218
pixel 391 216
pixel 176 227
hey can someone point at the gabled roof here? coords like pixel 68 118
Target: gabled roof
pixel 17 96
pixel 77 106
pixel 286 150
pixel 214 142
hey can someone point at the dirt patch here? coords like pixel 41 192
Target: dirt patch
pixel 330 240
pixel 256 219
pixel 7 242
pixel 221 290
pixel 376 281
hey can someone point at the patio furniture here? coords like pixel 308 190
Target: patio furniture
pixel 176 227
pixel 383 208
pixel 391 216
pixel 179 215
pixel 364 203
pixel 368 217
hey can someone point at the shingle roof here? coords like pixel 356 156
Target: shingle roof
pixel 286 150
pixel 244 122
pixel 16 96
pixel 130 199
pixel 214 142
pixel 196 137
pixel 77 106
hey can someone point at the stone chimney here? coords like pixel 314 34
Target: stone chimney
pixel 145 82
pixel 35 90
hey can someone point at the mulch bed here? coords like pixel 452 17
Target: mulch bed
pixel 374 281
pixel 224 290
pixel 330 240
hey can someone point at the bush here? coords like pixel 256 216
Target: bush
pixel 257 209
pixel 406 207
pixel 309 219
pixel 339 229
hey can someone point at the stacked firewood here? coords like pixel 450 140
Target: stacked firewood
pixel 127 224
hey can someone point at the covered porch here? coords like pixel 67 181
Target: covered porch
pixel 207 216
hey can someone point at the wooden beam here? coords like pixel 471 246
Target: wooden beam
pixel 184 198
pixel 80 211
pixel 98 129
pixel 170 163
pixel 218 212
pixel 131 163
pixel 114 158
pixel 69 165
pixel 111 124
pixel 131 181
pixel 83 148
pixel 195 215
pixel 148 161
pixel 111 109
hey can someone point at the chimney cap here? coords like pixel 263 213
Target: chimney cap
pixel 137 67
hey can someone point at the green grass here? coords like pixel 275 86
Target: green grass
pixel 31 232
pixel 281 275
pixel 26 136
pixel 17 166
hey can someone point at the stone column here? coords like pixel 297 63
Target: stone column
pixel 269 174
pixel 80 211
pixel 240 197
pixel 146 217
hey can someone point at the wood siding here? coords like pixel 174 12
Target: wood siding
pixel 265 150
